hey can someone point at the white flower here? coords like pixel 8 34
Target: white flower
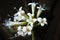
pixel 42 21
pixel 33 7
pixel 28 30
pixel 31 20
pixel 30 15
pixel 19 15
pixel 40 9
pixel 20 12
pixel 8 23
pixel 21 31
pixel 24 29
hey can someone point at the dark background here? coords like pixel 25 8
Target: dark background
pixel 49 32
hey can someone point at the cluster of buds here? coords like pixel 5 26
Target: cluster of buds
pixel 26 22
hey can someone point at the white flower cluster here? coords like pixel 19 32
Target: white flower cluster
pixel 23 30
pixel 27 18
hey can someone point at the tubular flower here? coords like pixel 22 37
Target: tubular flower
pixel 40 9
pixel 33 5
pixel 19 15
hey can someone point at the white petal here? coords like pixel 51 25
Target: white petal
pixel 19 28
pixel 34 19
pixel 20 33
pixel 42 24
pixel 39 19
pixel 24 29
pixel 38 7
pixel 24 33
pixel 44 19
pixel 17 14
pixel 22 11
pixel 15 19
pixel 46 23
pixel 15 35
pixel 20 8
pixel 29 3
pixel 29 33
pixel 30 27
pixel 34 4
pixel 9 19
pixel 29 14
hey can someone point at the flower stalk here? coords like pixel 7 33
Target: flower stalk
pixel 33 36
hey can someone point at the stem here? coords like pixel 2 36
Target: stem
pixel 32 35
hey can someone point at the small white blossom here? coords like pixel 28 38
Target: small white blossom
pixel 20 12
pixel 19 15
pixel 33 5
pixel 42 21
pixel 31 20
pixel 30 15
pixel 21 30
pixel 40 9
pixel 24 29
pixel 29 28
